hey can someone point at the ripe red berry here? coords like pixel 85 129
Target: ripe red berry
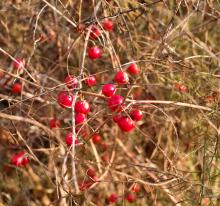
pixel 136 188
pixel 18 64
pixel 19 159
pixel 80 118
pixel 69 139
pixel 91 81
pixel 116 117
pixel 94 52
pixel 108 90
pixel 136 115
pixel 91 172
pixel 121 77
pixel 95 32
pixel 65 99
pixel 115 103
pixel 130 197
pixel 54 123
pixel 133 69
pixel 82 107
pixel 113 198
pixel 16 88
pixel 96 139
pixel 107 24
pixel 70 81
pixel 126 124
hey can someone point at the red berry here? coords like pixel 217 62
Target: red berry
pixel 126 124
pixel 136 115
pixel 116 118
pixel 82 107
pixel 95 32
pixel 183 89
pixel 130 197
pixel 70 81
pixel 105 157
pixel 121 77
pixel 115 103
pixel 94 52
pixel 80 118
pixel 108 90
pixel 136 188
pixel 16 88
pixel 91 81
pixel 113 198
pixel 133 69
pixel 107 24
pixel 54 123
pixel 91 172
pixel 65 99
pixel 18 64
pixel 19 159
pixel 96 139
pixel 69 139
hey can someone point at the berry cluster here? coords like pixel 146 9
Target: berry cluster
pixel 121 113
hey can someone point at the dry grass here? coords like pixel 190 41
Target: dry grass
pixel 173 153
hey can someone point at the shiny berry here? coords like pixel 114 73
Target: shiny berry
pixel 54 123
pixel 133 69
pixel 94 52
pixel 108 90
pixel 19 159
pixel 113 198
pixel 65 99
pixel 126 124
pixel 80 118
pixel 95 32
pixel 116 117
pixel 82 107
pixel 136 188
pixel 121 77
pixel 136 115
pixel 115 103
pixel 96 139
pixel 70 81
pixel 107 24
pixel 16 88
pixel 91 81
pixel 91 172
pixel 18 64
pixel 130 197
pixel 69 139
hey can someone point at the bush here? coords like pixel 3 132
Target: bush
pixel 109 102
